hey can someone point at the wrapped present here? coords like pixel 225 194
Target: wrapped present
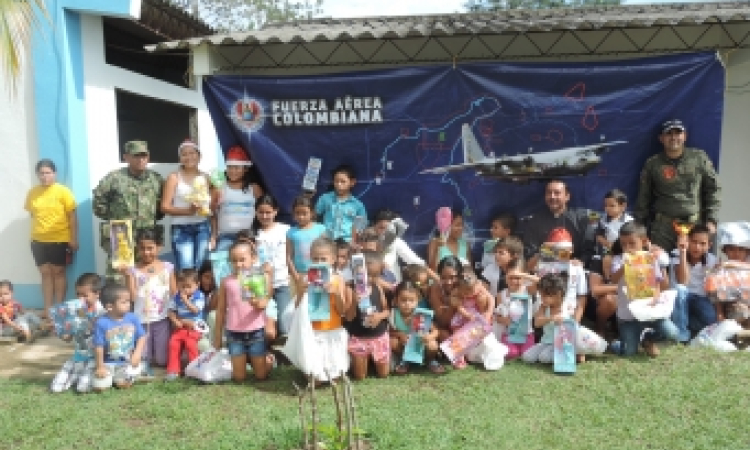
pixel 726 284
pixel 564 354
pixel 420 325
pixel 639 275
pixel 465 338
pixel 70 318
pixel 319 306
pixel 121 244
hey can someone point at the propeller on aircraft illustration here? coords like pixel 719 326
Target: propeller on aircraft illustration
pixel 563 162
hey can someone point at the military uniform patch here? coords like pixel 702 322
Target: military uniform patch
pixel 668 172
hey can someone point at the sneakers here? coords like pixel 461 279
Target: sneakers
pixel 651 349
pixel 172 377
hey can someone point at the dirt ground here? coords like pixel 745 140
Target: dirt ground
pixel 39 360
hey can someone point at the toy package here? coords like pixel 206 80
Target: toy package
pixel 724 284
pixel 70 318
pixel 443 220
pixel 465 338
pixel 310 180
pixel 520 317
pixel 639 275
pixel 220 266
pixel 121 244
pixel 199 196
pixel 564 348
pixel 420 325
pixel 552 259
pixel 319 308
pixel 252 285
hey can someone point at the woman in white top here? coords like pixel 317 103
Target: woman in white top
pixel 187 198
pixel 398 249
pixel 235 202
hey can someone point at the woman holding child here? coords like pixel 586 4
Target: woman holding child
pixel 54 230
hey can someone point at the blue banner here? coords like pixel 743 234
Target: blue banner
pixel 390 125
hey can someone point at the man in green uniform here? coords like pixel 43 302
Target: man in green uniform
pixel 133 192
pixel 677 185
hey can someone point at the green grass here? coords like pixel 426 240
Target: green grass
pixel 685 399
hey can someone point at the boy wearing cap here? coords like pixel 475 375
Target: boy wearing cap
pixel 679 184
pixel 130 193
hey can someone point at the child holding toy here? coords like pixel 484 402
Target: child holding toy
pixel 186 309
pixel 552 311
pixel 152 285
pixel 469 299
pixel 241 312
pixel 519 282
pixel 234 203
pixel 13 321
pixel 300 237
pixel 119 340
pixel 631 240
pixel 80 367
pixel 331 338
pixel 402 317
pixel 502 227
pixel 368 327
pixel 337 209
pixel 506 252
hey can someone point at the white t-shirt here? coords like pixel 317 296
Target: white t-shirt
pixel 272 242
pixel 577 286
pixel 399 249
pixel 697 273
pixel 492 273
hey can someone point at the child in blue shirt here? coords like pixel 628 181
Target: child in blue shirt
pixel 186 309
pixel 338 209
pixel 119 339
pixel 78 369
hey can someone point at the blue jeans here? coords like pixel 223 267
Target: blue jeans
pixel 250 343
pixel 692 313
pixel 631 330
pixel 283 297
pixel 224 241
pixel 190 244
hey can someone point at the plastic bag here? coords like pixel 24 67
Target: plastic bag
pixel 643 311
pixel 490 352
pixel 588 342
pixel 300 347
pixel 212 366
pixel 716 336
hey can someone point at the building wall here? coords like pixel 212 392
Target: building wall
pixel 19 154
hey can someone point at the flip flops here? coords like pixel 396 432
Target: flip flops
pixel 436 368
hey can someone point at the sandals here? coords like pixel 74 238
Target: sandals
pixel 460 363
pixel 401 369
pixel 436 368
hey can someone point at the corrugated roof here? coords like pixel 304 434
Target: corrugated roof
pixel 500 22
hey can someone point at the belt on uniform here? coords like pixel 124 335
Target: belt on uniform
pixel 693 218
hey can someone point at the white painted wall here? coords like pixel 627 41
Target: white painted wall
pixel 18 156
pixel 101 80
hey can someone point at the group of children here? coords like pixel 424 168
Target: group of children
pixel 158 313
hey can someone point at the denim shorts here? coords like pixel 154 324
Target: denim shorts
pixel 250 343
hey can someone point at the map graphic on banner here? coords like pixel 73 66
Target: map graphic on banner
pixel 390 125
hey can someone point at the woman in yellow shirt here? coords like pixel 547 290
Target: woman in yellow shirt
pixel 54 230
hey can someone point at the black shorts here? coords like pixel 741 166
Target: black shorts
pixel 54 253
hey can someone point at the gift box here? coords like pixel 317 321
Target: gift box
pixel 564 354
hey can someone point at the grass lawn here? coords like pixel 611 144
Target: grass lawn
pixel 685 399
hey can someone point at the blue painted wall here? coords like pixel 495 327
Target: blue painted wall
pixel 59 77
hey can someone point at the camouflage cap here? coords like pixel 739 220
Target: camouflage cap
pixel 136 148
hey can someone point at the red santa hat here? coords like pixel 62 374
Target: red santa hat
pixel 560 238
pixel 188 143
pixel 237 156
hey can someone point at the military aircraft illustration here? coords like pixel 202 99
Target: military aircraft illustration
pixel 564 162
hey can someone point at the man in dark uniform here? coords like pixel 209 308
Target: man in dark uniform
pixel 677 185
pixel 536 228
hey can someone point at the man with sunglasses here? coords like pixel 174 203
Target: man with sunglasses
pixel 678 185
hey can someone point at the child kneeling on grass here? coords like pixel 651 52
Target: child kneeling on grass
pixel 80 367
pixel 407 299
pixel 632 237
pixel 119 339
pixel 187 308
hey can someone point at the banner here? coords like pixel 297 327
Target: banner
pixel 390 125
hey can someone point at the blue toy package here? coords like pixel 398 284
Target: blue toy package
pixel 421 323
pixel 319 308
pixel 520 316
pixel 564 347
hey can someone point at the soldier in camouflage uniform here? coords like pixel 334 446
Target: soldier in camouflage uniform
pixel 133 193
pixel 679 184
